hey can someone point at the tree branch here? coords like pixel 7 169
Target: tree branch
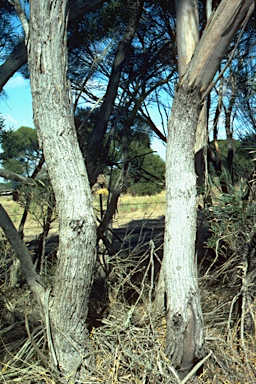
pixel 100 127
pixel 22 16
pixel 147 120
pixel 13 63
pixel 9 175
pixel 28 270
pixel 18 57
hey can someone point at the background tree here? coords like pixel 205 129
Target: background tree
pixel 128 89
pixel 144 70
pixel 20 150
pixel 146 175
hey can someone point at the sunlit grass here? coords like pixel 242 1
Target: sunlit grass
pixel 33 226
pixel 135 207
pixel 129 208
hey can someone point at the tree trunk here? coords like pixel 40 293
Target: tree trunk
pixel 184 317
pixel 184 336
pixel 53 115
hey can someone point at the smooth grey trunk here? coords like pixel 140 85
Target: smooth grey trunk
pixel 184 317
pixel 184 336
pixel 53 116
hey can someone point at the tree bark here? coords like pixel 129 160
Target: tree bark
pixel 184 317
pixel 184 337
pixel 53 116
pixel 213 45
pixel 187 31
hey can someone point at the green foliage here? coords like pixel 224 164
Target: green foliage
pixel 7 185
pixel 232 218
pixel 20 150
pixel 242 161
pixel 147 175
pixel 146 169
pixel 97 25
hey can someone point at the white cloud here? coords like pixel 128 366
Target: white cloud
pixel 17 81
pixel 10 121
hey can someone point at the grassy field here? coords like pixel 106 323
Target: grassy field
pixel 136 208
pixel 129 208
pixel 34 222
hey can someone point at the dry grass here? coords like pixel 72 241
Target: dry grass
pixel 129 208
pixel 129 345
pixel 136 207
pixel 34 221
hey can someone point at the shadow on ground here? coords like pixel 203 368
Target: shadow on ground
pixel 139 232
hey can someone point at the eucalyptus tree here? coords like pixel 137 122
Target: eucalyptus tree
pixel 199 59
pixel 54 120
pixel 67 306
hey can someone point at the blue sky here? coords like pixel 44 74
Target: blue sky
pixel 16 108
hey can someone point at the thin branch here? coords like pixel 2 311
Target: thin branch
pixel 195 368
pixel 9 175
pixel 22 16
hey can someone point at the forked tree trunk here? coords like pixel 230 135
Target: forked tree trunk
pixel 53 115
pixel 184 317
pixel 184 336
